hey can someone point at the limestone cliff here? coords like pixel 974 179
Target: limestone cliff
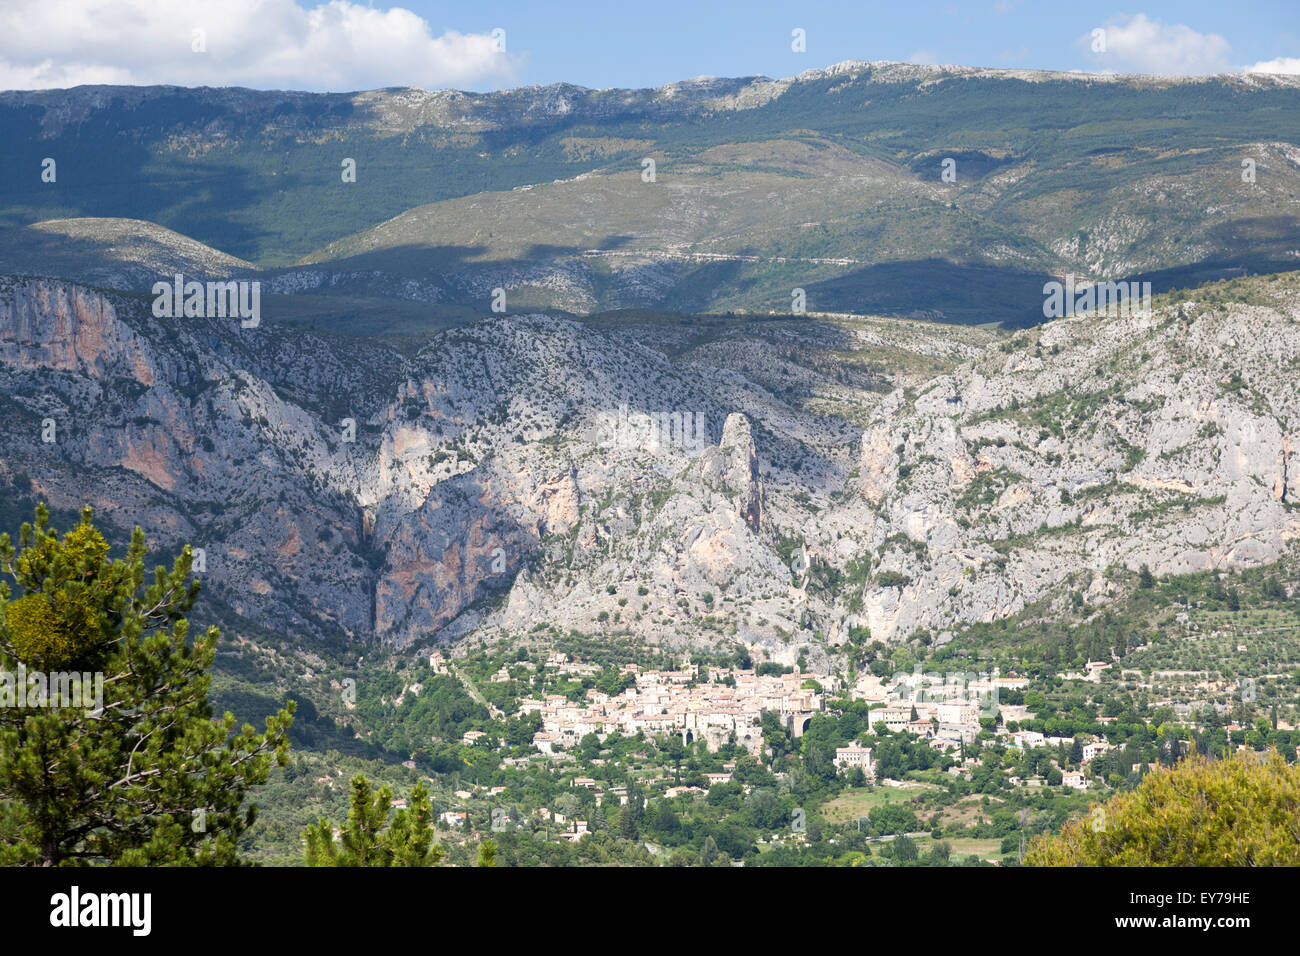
pixel 502 477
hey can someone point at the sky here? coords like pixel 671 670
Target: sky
pixel 495 44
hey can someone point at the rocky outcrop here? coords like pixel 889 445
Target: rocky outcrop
pixel 1158 439
pixel 734 463
pixel 479 488
pixel 50 325
pixel 322 504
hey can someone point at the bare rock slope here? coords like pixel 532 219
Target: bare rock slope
pixel 702 481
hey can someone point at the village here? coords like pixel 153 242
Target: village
pixel 727 708
pixel 628 748
pixel 956 714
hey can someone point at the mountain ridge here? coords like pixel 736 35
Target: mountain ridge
pixel 912 477
pixel 890 70
pixel 875 187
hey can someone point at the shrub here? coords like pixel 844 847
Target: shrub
pixel 1242 811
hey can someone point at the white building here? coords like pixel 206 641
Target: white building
pixel 854 757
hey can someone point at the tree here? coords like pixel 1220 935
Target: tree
pixel 775 736
pixel 939 854
pixel 589 747
pixel 628 827
pixel 890 818
pixel 1242 811
pixel 520 730
pixel 144 774
pixel 819 757
pixel 904 848
pixel 709 851
pixel 666 821
pixel 635 802
pixel 1169 747
pixel 365 840
pixel 764 810
pixel 672 746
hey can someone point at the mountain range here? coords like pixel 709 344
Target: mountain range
pixel 652 442
pixel 936 192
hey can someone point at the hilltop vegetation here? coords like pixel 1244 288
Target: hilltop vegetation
pixel 1237 812
pixel 829 182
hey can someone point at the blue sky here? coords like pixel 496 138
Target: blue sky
pixel 343 45
pixel 602 44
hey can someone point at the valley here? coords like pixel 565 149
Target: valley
pixel 622 465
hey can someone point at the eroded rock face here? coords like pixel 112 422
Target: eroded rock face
pixel 484 493
pixel 461 468
pixel 556 500
pixel 879 464
pixel 51 325
pixel 734 463
pixel 1163 439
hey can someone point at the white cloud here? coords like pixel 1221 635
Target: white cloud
pixel 1282 64
pixel 337 45
pixel 1138 44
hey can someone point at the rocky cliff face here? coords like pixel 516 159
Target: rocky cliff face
pixel 721 483
pixel 1163 439
pixel 735 464
pixel 236 440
